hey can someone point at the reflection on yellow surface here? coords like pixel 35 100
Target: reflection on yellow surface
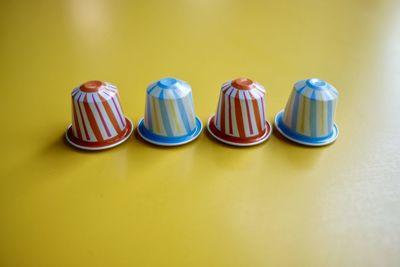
pixel 202 204
pixel 89 18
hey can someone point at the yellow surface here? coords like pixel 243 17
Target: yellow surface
pixel 203 204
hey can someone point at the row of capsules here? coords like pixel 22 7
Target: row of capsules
pixel 98 121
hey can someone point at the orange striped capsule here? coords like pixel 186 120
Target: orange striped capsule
pixel 98 121
pixel 240 119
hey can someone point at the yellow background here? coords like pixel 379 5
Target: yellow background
pixel 202 204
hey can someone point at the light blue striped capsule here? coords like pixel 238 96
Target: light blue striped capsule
pixel 309 114
pixel 169 113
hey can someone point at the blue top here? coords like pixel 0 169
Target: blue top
pixel 167 82
pixel 169 88
pixel 316 83
pixel 316 89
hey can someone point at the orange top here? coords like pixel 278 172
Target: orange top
pixel 91 86
pixel 242 83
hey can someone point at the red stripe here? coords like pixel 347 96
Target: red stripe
pixel 101 118
pixel 75 91
pixel 76 123
pixel 223 112
pixel 225 89
pixel 239 117
pixel 257 113
pixel 248 115
pixel 263 113
pixel 261 94
pixel 110 114
pixel 92 121
pixel 230 112
pixel 217 114
pixel 80 114
pixel 116 107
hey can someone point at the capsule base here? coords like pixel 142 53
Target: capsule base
pixel 235 141
pixel 97 145
pixel 168 141
pixel 301 139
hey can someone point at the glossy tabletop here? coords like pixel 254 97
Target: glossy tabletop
pixel 204 203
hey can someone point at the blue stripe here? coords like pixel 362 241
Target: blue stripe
pixel 192 105
pixel 150 90
pixel 295 111
pixel 301 89
pixel 330 115
pixel 313 115
pixel 182 111
pixel 149 115
pixel 164 114
pixel 333 90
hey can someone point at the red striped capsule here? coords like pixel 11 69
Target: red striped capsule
pixel 98 121
pixel 240 119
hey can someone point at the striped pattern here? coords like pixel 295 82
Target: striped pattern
pixel 97 116
pixel 169 111
pixel 241 113
pixel 310 110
